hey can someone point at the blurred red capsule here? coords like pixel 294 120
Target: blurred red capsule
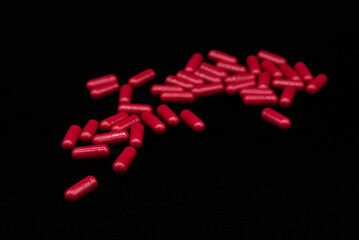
pixel 316 84
pixel 153 122
pixel 142 78
pixel 125 93
pixel 287 96
pixel 136 135
pixel 206 90
pixel 231 67
pixel 89 131
pixel 191 120
pixel 105 125
pixel 260 99
pixel 303 71
pixel 177 97
pixel 173 80
pixel 134 108
pixel 111 138
pixel 167 115
pixel 216 56
pixel 253 64
pixel 190 77
pixel 234 88
pixel 125 123
pixel 80 189
pixel 213 69
pixel 124 160
pixel 101 81
pixel 71 137
pixel 264 55
pixel 275 118
pixel 193 62
pixel 264 79
pixel 104 90
pixel 90 152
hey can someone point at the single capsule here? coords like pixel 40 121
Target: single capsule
pixel 111 138
pixel 190 77
pixel 264 80
pixel 239 77
pixel 124 160
pixel 231 67
pixel 167 115
pixel 173 80
pixel 289 72
pixel 206 90
pixel 213 69
pixel 71 137
pixel 90 152
pixel 234 88
pixel 260 99
pixel 157 89
pixel 303 71
pixel 278 83
pixel 106 124
pixel 177 97
pixel 271 68
pixel 287 96
pixel 275 118
pixel 264 55
pixel 104 90
pixel 134 108
pixel 89 131
pixel 80 189
pixel 316 84
pixel 136 135
pixel 253 64
pixel 125 94
pixel 110 78
pixel 207 76
pixel 191 120
pixel 125 123
pixel 216 56
pixel 193 62
pixel 153 122
pixel 142 78
pixel 254 91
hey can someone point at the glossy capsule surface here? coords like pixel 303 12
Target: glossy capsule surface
pixel 124 160
pixel 80 189
pixel 270 67
pixel 265 55
pixel 260 99
pixel 287 96
pixel 191 120
pixel 134 108
pixel 106 124
pixel 213 69
pixel 253 91
pixel 264 79
pixel 90 152
pixel 71 137
pixel 253 64
pixel 126 91
pixel 142 78
pixel 193 62
pixel 279 83
pixel 111 138
pixel 110 78
pixel 153 122
pixel 316 84
pixel 89 131
pixel 216 56
pixel 190 77
pixel 206 90
pixel 207 76
pixel 125 123
pixel 177 97
pixel 231 67
pixel 275 118
pixel 157 89
pixel 167 115
pixel 289 72
pixel 303 71
pixel 104 90
pixel 173 80
pixel 136 135
pixel 239 77
pixel 233 88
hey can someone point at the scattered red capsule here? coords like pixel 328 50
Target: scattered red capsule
pixel 206 90
pixel 167 115
pixel 104 90
pixel 193 62
pixel 124 160
pixel 231 67
pixel 177 97
pixel 157 89
pixel 106 124
pixel 260 99
pixel 275 118
pixel 264 80
pixel 134 108
pixel 289 72
pixel 136 135
pixel 111 138
pixel 239 77
pixel 216 56
pixel 253 64
pixel 142 78
pixel 279 83
pixel 101 81
pixel 316 84
pixel 173 80
pixel 191 120
pixel 303 71
pixel 287 96
pixel 190 77
pixel 213 69
pixel 125 93
pixel 153 122
pixel 264 55
pixel 271 68
pixel 208 77
pixel 126 123
pixel 234 88
pixel 90 152
pixel 80 189
pixel 89 131
pixel 253 91
pixel 71 137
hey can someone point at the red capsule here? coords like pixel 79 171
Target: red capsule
pixel 253 91
pixel 206 90
pixel 126 123
pixel 71 137
pixel 167 115
pixel 303 71
pixel 208 77
pixel 253 64
pixel 234 88
pixel 191 120
pixel 89 131
pixel 157 89
pixel 279 83
pixel 136 135
pixel 275 118
pixel 289 72
pixel 106 124
pixel 193 62
pixel 125 94
pixel 80 189
pixel 316 84
pixel 287 96
pixel 213 69
pixel 177 97
pixel 111 138
pixel 173 80
pixel 216 56
pixel 124 160
pixel 271 68
pixel 260 99
pixel 264 55
pixel 90 152
pixel 134 108
pixel 142 78
pixel 264 80
pixel 153 122
pixel 190 77
pixel 231 67
pixel 104 90
pixel 101 81
pixel 239 77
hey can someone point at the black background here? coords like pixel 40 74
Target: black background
pixel 241 177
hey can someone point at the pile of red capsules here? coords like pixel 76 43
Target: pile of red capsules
pixel 253 83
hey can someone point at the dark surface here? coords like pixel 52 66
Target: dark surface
pixel 241 178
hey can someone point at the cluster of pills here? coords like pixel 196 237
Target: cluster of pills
pixel 254 84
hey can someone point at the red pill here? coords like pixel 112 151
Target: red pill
pixel 275 118
pixel 193 62
pixel 124 160
pixel 303 71
pixel 71 137
pixel 173 80
pixel 289 72
pixel 253 64
pixel 213 69
pixel 157 89
pixel 206 90
pixel 80 189
pixel 90 152
pixel 253 91
pixel 239 77
pixel 125 93
pixel 134 108
pixel 264 80
pixel 126 123
pixel 216 56
pixel 234 88
pixel 260 99
pixel 231 67
pixel 316 84
pixel 271 68
pixel 104 90
pixel 142 78
pixel 279 83
pixel 177 97
pixel 264 55
pixel 136 135
pixel 208 77
pixel 89 131
pixel 191 120
pixel 287 96
pixel 190 77
pixel 106 124
pixel 111 138
pixel 153 122
pixel 101 81
pixel 167 115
